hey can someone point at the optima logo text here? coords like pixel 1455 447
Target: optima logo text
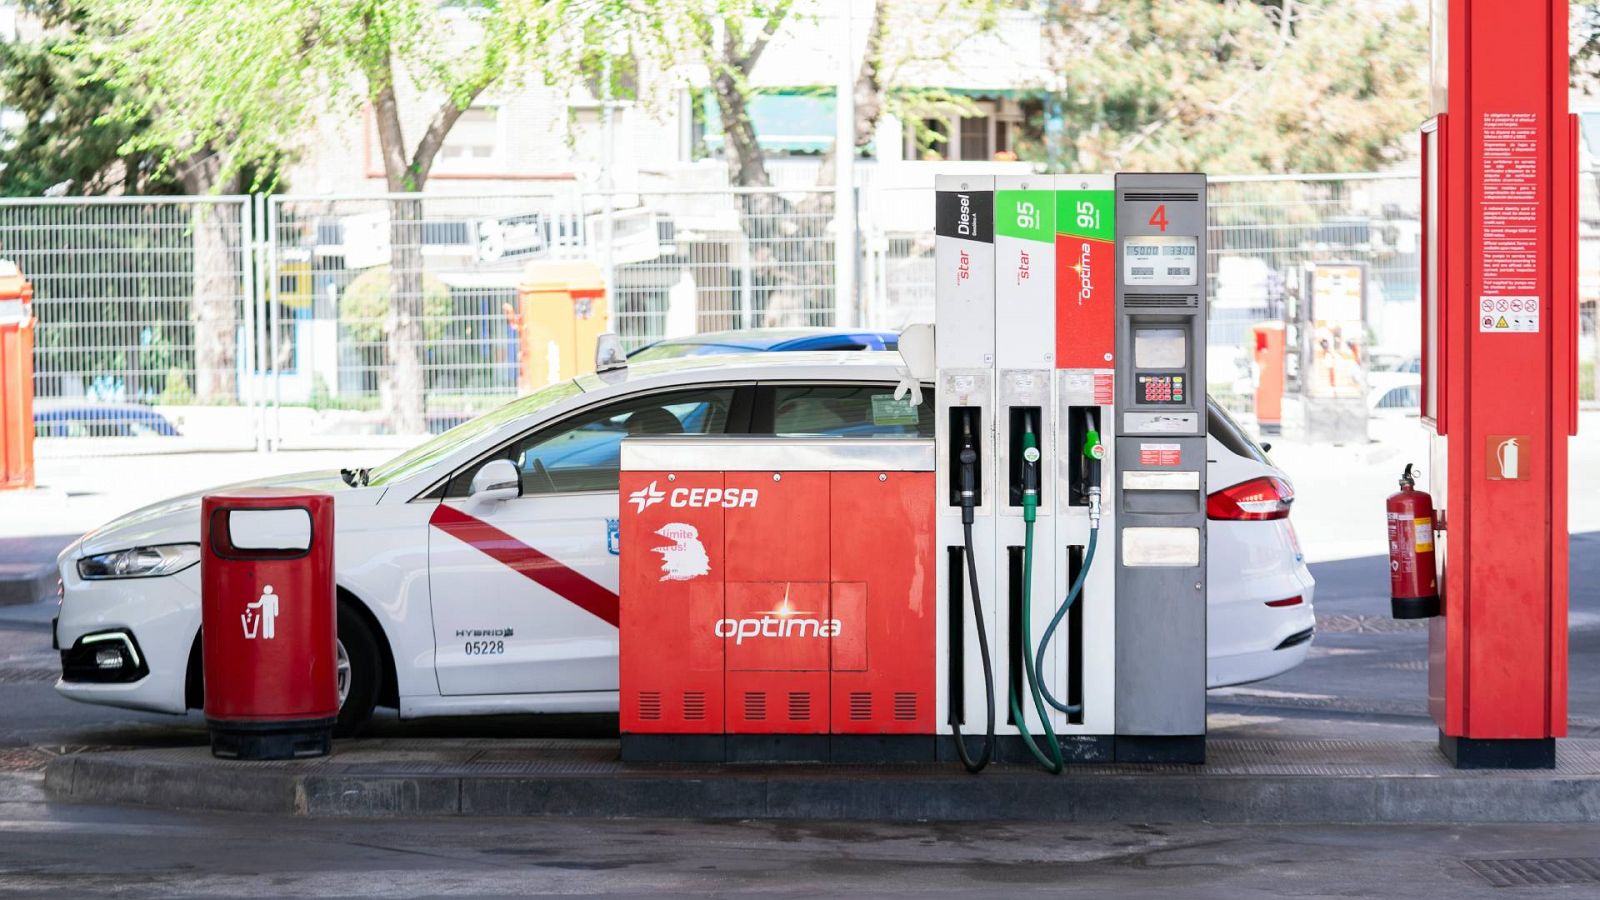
pixel 776 627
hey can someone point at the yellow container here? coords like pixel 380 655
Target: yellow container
pixel 562 311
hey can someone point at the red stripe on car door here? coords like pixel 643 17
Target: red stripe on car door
pixel 529 562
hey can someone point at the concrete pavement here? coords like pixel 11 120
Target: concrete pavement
pixel 54 850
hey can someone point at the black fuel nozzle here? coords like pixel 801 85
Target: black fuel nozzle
pixel 969 469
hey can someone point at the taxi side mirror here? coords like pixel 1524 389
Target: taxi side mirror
pixel 497 480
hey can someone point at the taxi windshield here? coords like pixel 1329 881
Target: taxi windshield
pixel 431 451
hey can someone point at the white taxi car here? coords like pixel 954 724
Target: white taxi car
pixel 463 596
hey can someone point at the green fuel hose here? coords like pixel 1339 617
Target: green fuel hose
pixel 1055 621
pixel 1030 510
pixel 1093 452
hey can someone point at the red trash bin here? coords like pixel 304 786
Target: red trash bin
pixel 268 623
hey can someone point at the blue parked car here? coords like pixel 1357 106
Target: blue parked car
pixel 759 340
pixel 53 419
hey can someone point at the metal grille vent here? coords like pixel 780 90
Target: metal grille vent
pixel 860 706
pixel 1161 196
pixel 694 704
pixel 1157 301
pixel 905 706
pixel 1527 872
pixel 755 706
pixel 650 705
pixel 799 706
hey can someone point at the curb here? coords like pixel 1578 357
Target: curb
pixel 855 793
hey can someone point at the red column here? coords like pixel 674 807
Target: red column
pixel 1500 322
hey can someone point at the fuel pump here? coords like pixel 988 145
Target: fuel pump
pixel 964 354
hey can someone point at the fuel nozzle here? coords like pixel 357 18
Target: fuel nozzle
pixel 1030 469
pixel 1094 453
pixel 969 469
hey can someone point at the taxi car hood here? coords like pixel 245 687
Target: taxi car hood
pixel 177 519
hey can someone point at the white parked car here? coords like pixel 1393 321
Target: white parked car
pixel 451 605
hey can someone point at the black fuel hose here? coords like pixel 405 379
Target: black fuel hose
pixel 969 501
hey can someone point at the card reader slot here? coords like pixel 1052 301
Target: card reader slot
pixel 1161 502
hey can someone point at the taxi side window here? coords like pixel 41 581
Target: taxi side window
pixel 849 410
pixel 584 453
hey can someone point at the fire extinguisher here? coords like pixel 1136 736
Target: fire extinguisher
pixel 1413 573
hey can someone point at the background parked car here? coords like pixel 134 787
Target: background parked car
pixel 54 419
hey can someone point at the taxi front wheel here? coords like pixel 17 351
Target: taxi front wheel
pixel 359 667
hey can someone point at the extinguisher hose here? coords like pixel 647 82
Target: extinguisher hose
pixel 977 765
pixel 1055 621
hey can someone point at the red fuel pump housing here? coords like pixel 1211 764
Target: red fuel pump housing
pixel 775 614
pixel 1413 572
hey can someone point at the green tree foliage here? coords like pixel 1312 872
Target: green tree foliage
pixel 67 144
pixel 253 77
pixel 1237 86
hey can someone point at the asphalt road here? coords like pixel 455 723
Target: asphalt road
pixel 1366 676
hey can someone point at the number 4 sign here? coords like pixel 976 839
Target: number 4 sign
pixel 1159 217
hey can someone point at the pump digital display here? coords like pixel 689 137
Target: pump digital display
pixel 1152 260
pixel 1164 388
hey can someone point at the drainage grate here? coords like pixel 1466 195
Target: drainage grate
pixel 1343 623
pixel 1529 872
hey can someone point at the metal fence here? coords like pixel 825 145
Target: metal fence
pixel 141 303
pixel 252 322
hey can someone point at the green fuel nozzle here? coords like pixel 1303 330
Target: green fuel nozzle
pixel 1094 453
pixel 1030 470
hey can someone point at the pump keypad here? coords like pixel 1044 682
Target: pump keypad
pixel 1164 388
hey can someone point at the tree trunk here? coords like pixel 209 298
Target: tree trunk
pixel 404 384
pixel 215 299
pixel 747 165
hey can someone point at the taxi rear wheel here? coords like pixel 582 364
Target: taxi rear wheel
pixel 360 673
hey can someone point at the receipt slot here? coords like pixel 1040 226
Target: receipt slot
pixel 268 620
pixel 1160 487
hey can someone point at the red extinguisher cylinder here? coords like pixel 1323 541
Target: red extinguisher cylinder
pixel 1413 570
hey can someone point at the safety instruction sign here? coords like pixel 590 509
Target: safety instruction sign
pixel 1160 454
pixel 1508 315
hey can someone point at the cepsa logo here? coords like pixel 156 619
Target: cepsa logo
pixel 693 498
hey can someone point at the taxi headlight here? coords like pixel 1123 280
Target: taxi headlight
pixel 139 562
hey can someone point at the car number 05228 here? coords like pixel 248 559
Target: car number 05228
pixel 485 648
